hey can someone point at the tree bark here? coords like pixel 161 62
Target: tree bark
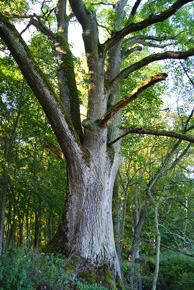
pixel 86 228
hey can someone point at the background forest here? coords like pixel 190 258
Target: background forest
pixel 155 181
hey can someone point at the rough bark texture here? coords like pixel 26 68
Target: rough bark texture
pixel 87 230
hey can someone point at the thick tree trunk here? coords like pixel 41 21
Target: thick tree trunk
pixel 86 229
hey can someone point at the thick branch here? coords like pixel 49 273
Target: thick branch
pixel 55 150
pixel 80 12
pixel 14 16
pixel 152 19
pixel 145 61
pixel 132 96
pixel 96 100
pixel 65 72
pixel 66 76
pixel 60 122
pixel 60 12
pixel 154 132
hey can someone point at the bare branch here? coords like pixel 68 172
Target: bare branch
pixel 37 23
pixel 24 30
pixel 130 51
pixel 169 248
pixel 132 96
pixel 187 122
pixel 54 149
pixel 102 3
pixel 154 132
pixel 44 16
pixel 15 16
pixel 151 44
pixel 186 72
pixel 148 40
pixel 145 61
pixel 180 156
pixel 135 7
pixel 190 128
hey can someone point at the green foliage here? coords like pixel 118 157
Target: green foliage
pixel 27 269
pixel 17 7
pixel 81 286
pixel 177 270
pixel 30 166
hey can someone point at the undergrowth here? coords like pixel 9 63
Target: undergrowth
pixel 177 270
pixel 28 269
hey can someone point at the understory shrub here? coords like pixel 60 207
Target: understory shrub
pixel 177 270
pixel 28 269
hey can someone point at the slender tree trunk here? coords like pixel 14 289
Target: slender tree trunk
pixel 186 214
pixel 156 272
pixel 27 220
pixel 20 221
pixel 3 207
pixel 37 226
pixel 117 221
pixel 50 225
pixel 136 238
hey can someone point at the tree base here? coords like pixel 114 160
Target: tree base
pixel 83 270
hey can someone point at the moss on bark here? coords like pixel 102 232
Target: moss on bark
pixel 87 273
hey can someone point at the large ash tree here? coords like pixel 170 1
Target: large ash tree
pixel 91 149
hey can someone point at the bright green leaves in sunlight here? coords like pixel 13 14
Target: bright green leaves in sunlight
pixel 35 189
pixel 14 7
